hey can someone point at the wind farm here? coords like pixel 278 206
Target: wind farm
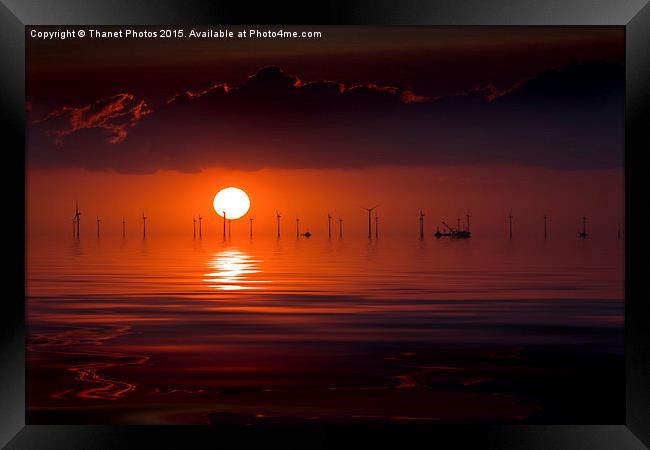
pixel 460 231
pixel 311 286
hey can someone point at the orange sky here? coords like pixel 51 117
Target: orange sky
pixel 490 120
pixel 171 199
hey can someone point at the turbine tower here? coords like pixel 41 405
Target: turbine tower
pixel 251 225
pixel 297 226
pixel 200 226
pixel 224 224
pixel 194 223
pixel 73 233
pixel 468 216
pixel 77 216
pixel 329 225
pixel 340 227
pixel 583 234
pixel 123 227
pixel 370 210
pixel 510 226
pixel 421 225
pixel 278 216
pixel 144 225
pixel 98 220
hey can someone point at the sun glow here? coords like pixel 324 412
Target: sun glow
pixel 231 202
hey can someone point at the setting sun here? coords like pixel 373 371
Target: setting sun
pixel 231 201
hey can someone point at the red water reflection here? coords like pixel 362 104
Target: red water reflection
pixel 268 332
pixel 77 345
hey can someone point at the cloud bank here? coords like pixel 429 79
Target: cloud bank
pixel 571 118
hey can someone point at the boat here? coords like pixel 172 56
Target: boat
pixel 452 232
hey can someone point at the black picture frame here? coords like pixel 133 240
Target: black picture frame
pixel 634 15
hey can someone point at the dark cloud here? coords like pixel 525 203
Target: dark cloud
pixel 569 118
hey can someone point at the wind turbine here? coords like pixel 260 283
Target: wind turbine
pixel 73 233
pixel 194 223
pixel 583 234
pixel 510 226
pixel 340 227
pixel 200 226
pixel 123 227
pixel 297 226
pixel 224 224
pixel 144 225
pixel 370 210
pixel 545 227
pixel 98 220
pixel 329 225
pixel 421 225
pixel 468 216
pixel 251 222
pixel 77 216
pixel 278 216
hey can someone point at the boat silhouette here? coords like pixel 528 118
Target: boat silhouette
pixel 453 233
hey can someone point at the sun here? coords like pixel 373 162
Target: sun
pixel 231 202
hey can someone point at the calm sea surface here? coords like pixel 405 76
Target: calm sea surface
pixel 178 330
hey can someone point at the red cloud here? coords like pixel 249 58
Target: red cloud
pixel 217 89
pixel 274 79
pixel 490 92
pixel 411 97
pixel 114 115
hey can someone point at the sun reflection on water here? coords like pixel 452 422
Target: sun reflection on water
pixel 232 271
